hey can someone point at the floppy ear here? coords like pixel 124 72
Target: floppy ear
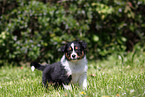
pixel 63 48
pixel 84 44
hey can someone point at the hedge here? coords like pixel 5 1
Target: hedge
pixel 35 30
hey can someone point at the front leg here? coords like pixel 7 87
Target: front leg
pixel 66 80
pixel 83 81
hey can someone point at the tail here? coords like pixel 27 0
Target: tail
pixel 37 66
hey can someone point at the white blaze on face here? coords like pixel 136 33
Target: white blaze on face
pixel 73 54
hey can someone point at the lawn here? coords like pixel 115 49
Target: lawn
pixel 119 75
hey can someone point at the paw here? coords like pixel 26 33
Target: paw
pixel 84 87
pixel 67 87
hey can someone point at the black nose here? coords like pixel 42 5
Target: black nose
pixel 73 56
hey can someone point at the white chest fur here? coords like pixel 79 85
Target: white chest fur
pixel 75 68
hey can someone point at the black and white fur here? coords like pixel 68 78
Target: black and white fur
pixel 71 69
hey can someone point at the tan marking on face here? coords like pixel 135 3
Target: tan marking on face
pixel 81 56
pixel 76 47
pixel 70 48
pixel 67 56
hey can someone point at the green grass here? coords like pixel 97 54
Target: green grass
pixel 108 78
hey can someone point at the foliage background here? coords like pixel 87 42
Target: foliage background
pixel 36 29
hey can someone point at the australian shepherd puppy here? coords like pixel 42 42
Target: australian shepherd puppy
pixel 71 69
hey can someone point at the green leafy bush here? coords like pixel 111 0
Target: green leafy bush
pixel 36 30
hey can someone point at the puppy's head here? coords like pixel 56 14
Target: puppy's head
pixel 74 50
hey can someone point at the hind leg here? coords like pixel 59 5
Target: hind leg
pixel 46 79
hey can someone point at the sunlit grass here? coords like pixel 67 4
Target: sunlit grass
pixel 119 75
